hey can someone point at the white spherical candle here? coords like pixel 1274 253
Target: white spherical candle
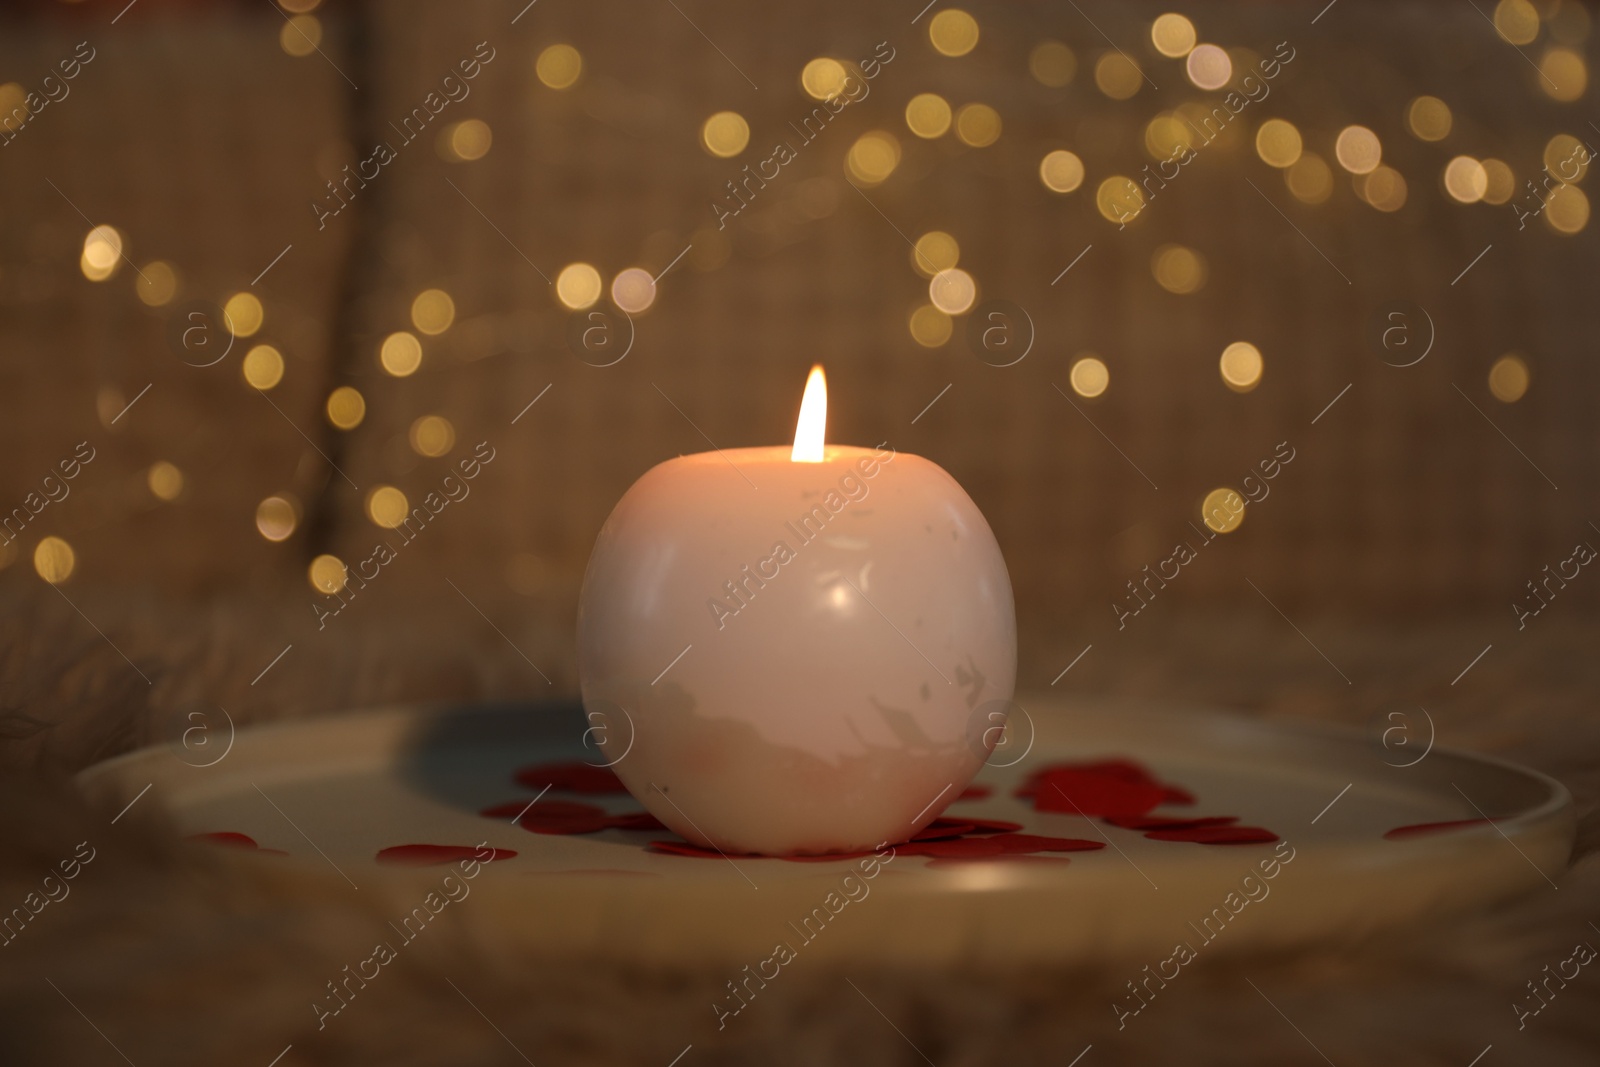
pixel 791 648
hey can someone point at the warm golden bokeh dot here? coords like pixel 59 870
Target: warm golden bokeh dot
pixel 432 435
pixel 952 291
pixel 1566 158
pixel 1563 75
pixel 935 251
pixel 387 506
pixel 1241 366
pixel 326 574
pixel 633 290
pixel 1173 35
pixel 1178 269
pixel 1508 378
pixel 346 407
pixel 873 157
pixel 930 327
pixel 823 77
pixel 559 66
pixel 1052 64
pixel 725 134
pixel 1429 118
pixel 953 32
pixel 400 354
pixel 102 253
pixel 1167 135
pixel 928 115
pixel 433 311
pixel 1465 179
pixel 1310 180
pixel 1517 21
pixel 1384 188
pixel 468 140
pixel 164 480
pixel 1089 376
pixel 1501 183
pixel 300 35
pixel 54 560
pixel 156 283
pixel 1117 75
pixel 1119 199
pixel 978 125
pixel 13 97
pixel 578 286
pixel 1061 171
pixel 1567 209
pixel 262 367
pixel 1223 510
pixel 1208 67
pixel 1278 143
pixel 1358 150
pixel 244 314
pixel 277 516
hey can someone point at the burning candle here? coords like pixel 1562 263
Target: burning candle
pixel 796 650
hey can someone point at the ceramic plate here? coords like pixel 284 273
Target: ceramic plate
pixel 1338 836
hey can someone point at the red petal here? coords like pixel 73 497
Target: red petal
pixel 1076 792
pixel 992 826
pixel 1402 832
pixel 975 792
pixel 435 855
pixel 228 838
pixel 571 778
pixel 635 820
pixel 1216 835
pixel 1169 822
pixel 1177 795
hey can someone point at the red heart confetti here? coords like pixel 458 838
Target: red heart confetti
pixel 1401 832
pixel 437 855
pixel 571 778
pixel 975 791
pixel 684 848
pixel 1169 822
pixel 552 816
pixel 569 817
pixel 942 828
pixel 231 839
pixel 1216 835
pixel 1076 792
pixel 1124 770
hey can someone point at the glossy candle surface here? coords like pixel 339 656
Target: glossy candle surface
pixel 796 657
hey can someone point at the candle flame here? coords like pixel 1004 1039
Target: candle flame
pixel 810 431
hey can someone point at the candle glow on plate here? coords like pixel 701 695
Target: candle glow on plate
pixel 796 649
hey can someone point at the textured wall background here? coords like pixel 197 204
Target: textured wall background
pixel 209 144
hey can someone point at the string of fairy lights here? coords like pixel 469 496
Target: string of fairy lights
pixel 1310 177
